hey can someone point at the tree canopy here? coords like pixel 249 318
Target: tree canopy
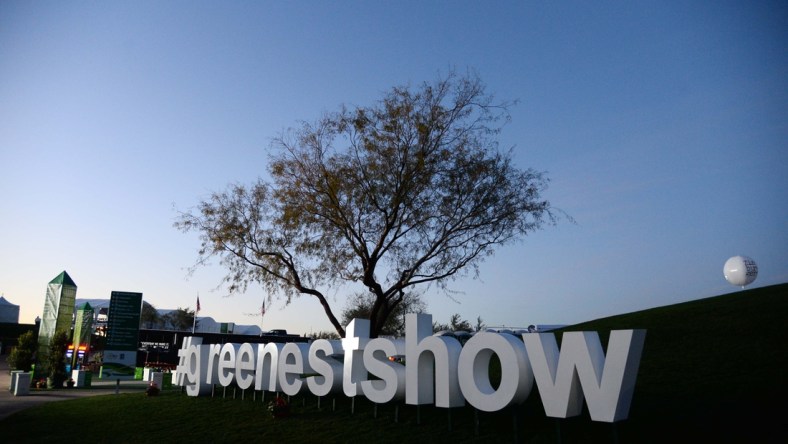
pixel 56 359
pixel 409 191
pixel 181 319
pixel 149 316
pixel 457 323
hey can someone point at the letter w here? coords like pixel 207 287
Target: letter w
pixel 582 369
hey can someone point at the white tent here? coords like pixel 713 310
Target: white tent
pixel 9 313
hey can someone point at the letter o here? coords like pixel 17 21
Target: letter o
pixel 474 371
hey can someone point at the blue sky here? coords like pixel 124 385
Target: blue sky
pixel 662 125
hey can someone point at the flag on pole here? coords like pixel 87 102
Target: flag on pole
pixel 197 310
pixel 262 315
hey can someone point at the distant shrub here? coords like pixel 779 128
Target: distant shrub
pixel 325 335
pixel 21 357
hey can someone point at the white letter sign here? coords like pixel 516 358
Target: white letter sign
pixel 437 370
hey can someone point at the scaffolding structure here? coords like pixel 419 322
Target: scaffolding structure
pixel 58 312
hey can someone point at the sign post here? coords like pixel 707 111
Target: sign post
pixel 123 327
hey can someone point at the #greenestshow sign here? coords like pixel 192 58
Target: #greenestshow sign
pixel 437 370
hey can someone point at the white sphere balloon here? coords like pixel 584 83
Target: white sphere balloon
pixel 740 270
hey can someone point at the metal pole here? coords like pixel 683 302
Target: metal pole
pixel 515 429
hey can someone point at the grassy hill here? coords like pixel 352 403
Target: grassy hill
pixel 712 370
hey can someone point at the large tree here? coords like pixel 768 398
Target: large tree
pixel 409 191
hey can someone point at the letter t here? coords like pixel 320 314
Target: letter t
pixel 356 338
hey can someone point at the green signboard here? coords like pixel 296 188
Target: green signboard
pixel 123 328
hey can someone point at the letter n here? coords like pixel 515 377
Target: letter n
pixel 267 367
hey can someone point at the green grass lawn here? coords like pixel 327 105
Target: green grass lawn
pixel 713 370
